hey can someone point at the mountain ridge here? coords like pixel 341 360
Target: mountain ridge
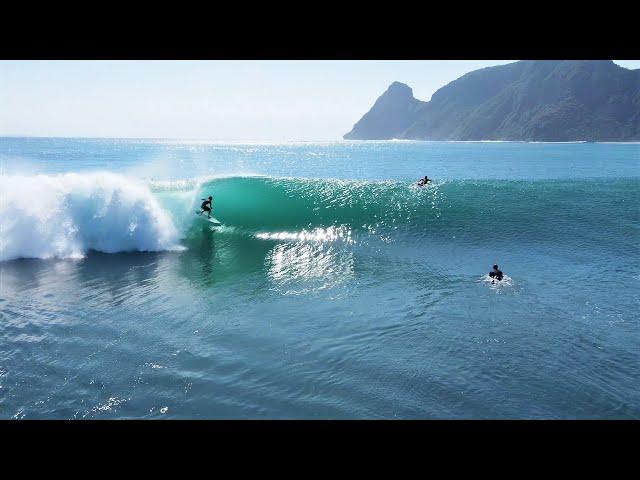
pixel 529 100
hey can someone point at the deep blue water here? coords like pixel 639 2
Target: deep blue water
pixel 336 288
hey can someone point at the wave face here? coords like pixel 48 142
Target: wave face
pixel 489 210
pixel 66 215
pixel 260 203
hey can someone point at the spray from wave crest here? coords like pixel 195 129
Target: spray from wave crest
pixel 64 216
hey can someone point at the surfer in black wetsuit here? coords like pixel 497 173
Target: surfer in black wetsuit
pixel 207 206
pixel 424 181
pixel 496 274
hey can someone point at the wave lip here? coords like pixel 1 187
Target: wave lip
pixel 64 216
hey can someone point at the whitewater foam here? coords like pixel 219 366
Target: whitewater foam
pixel 64 216
pixel 317 235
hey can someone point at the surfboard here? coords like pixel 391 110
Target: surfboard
pixel 213 221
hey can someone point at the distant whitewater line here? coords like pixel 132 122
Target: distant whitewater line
pixel 64 216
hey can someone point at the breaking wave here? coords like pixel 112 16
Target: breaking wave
pixel 65 216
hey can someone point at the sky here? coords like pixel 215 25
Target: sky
pixel 209 100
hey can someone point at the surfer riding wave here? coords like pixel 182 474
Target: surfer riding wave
pixel 206 206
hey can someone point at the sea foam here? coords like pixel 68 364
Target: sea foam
pixel 64 216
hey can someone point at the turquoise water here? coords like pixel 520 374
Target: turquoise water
pixel 335 289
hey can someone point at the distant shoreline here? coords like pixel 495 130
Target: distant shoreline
pixel 288 142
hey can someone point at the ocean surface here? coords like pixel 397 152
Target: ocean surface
pixel 335 289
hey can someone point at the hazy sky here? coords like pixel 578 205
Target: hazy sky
pixel 217 100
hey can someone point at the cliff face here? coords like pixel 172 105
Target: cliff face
pixel 527 100
pixel 392 114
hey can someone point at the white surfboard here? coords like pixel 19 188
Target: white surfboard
pixel 214 221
